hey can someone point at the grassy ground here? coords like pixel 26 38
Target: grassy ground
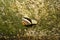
pixel 46 12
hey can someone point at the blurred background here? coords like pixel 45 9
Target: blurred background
pixel 45 12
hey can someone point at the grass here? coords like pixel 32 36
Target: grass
pixel 46 12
